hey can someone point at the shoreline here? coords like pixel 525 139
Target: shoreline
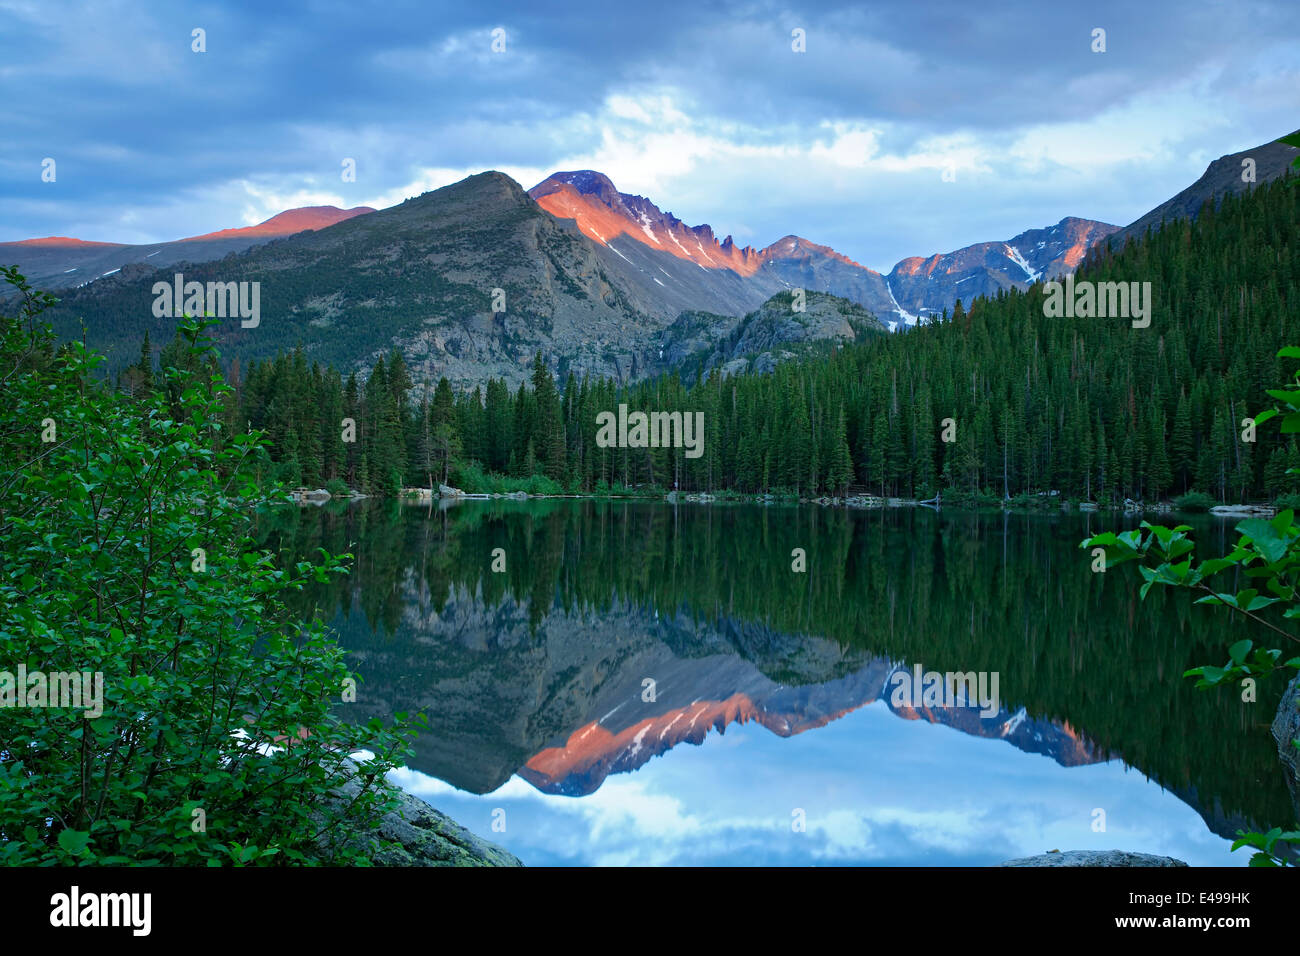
pixel 1049 504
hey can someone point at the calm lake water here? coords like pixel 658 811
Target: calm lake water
pixel 653 684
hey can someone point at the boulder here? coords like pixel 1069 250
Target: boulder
pixel 1234 511
pixel 426 837
pixel 1094 858
pixel 1286 728
pixel 423 836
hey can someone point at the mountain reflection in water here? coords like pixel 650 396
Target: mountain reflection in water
pixel 620 631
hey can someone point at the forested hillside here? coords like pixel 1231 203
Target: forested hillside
pixel 1091 407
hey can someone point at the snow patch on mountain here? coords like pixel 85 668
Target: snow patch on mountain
pixel 1016 720
pixel 610 245
pixel 645 227
pixel 678 244
pixel 906 316
pixel 1014 254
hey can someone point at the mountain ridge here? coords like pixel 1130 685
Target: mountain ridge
pixel 57 262
pixel 901 297
pixel 1224 175
pixel 473 279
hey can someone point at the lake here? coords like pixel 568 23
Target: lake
pixel 647 683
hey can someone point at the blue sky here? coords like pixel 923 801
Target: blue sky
pixel 705 108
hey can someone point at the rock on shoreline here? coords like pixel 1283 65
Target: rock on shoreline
pixel 423 836
pixel 1094 858
pixel 427 837
pixel 1286 728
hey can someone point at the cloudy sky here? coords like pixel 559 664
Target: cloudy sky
pixel 705 108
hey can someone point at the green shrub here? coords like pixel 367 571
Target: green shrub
pixel 213 737
pixel 338 488
pixel 985 499
pixel 1287 502
pixel 469 477
pixel 1194 501
pixel 541 485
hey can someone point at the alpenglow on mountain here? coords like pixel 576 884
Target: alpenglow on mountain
pixel 60 262
pixel 599 281
pixel 635 229
pixel 422 277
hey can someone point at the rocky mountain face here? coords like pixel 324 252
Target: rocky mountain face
pixel 473 279
pixel 774 332
pixel 722 277
pixel 660 246
pixel 422 276
pixel 925 287
pixel 58 262
pixel 469 281
pixel 603 213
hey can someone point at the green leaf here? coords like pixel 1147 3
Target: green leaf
pixel 1248 839
pixel 1213 675
pixel 1264 537
pixel 74 841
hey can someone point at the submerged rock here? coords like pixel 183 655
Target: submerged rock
pixel 1094 858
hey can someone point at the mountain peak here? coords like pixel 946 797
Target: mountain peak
pixel 289 222
pixel 605 214
pixel 797 247
pixel 63 241
pixel 586 182
pixel 495 177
